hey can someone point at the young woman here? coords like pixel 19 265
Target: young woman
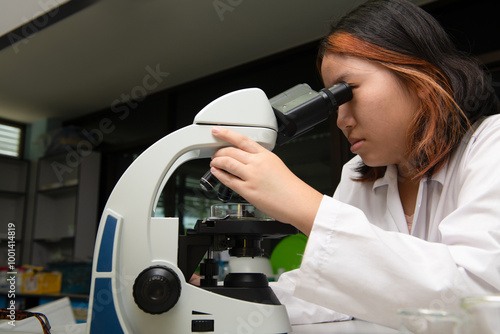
pixel 415 220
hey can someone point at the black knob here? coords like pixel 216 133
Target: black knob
pixel 157 289
pixel 208 182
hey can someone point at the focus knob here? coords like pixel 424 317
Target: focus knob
pixel 157 289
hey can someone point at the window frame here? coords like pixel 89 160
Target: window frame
pixel 22 139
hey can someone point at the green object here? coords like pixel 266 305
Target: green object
pixel 288 253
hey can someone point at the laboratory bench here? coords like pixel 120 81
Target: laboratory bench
pixel 342 327
pixel 60 315
pixel 79 302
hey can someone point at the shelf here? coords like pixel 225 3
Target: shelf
pixel 56 172
pixel 50 250
pixel 82 296
pixel 55 214
pixel 61 191
pixel 54 240
pixel 65 213
pixel 4 248
pixel 12 207
pixel 13 199
pixel 7 193
pixel 58 185
pixel 4 239
pixel 14 172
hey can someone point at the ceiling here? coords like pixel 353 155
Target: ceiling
pixel 117 49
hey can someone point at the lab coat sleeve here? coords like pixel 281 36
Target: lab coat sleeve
pixel 360 269
pixel 473 229
pixel 300 311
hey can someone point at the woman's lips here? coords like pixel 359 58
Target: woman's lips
pixel 356 144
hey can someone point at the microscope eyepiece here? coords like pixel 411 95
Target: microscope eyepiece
pixel 338 94
pixel 300 108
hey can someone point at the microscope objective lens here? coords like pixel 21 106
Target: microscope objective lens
pixel 208 182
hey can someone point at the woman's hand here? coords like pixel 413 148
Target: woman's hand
pixel 195 280
pixel 260 177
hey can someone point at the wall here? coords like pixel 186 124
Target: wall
pixel 472 25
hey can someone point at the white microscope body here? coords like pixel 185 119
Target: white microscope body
pixel 130 239
pixel 137 284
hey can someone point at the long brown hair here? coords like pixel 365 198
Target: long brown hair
pixel 409 42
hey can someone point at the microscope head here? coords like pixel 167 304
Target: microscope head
pixel 297 110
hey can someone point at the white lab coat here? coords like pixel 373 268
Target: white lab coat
pixel 360 259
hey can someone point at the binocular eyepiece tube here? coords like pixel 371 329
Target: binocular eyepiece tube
pixel 300 108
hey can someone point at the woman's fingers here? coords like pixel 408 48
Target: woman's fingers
pixel 237 139
pixel 234 153
pixel 259 176
pixel 195 280
pixel 228 166
pixel 237 160
pixel 226 178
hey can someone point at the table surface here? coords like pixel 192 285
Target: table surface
pixel 342 327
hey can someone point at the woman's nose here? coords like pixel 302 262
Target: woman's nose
pixel 345 117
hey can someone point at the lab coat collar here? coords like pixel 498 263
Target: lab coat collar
pixel 391 176
pixel 440 175
pixel 394 207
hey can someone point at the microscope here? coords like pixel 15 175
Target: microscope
pixel 142 266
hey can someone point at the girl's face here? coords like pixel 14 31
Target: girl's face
pixel 376 120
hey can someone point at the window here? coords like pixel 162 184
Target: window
pixel 11 139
